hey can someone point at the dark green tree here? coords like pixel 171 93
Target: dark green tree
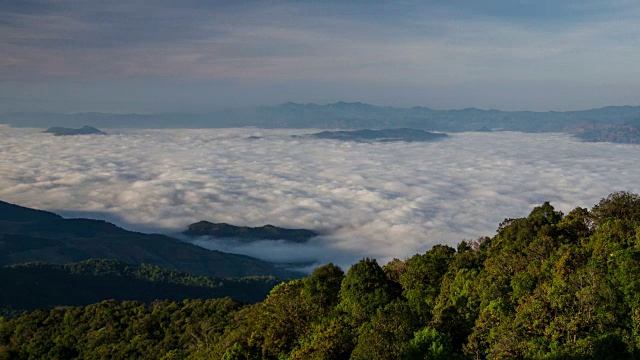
pixel 322 287
pixel 332 339
pixel 621 205
pixel 422 277
pixel 364 289
pixel 388 333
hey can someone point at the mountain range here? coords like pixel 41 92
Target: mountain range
pixel 342 115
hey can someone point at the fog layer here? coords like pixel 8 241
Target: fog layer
pixel 382 200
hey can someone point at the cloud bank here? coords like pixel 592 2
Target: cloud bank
pixel 382 200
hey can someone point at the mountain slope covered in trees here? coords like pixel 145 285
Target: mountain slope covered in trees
pixel 40 285
pixel 548 286
pixel 28 235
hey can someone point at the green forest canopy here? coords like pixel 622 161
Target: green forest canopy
pixel 548 286
pixel 37 285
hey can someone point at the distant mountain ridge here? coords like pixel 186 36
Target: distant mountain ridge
pixel 358 115
pixel 382 135
pixel 341 115
pixel 28 235
pixel 626 133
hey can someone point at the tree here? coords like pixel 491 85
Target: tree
pixel 621 205
pixel 332 339
pixel 429 344
pixel 364 289
pixel 394 269
pixel 422 278
pixel 323 286
pixel 280 320
pixel 387 334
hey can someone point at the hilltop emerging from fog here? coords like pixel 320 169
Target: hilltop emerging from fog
pixel 63 131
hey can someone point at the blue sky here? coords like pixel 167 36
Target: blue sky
pixel 197 55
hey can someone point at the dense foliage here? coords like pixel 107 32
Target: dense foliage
pixel 117 330
pixel 39 285
pixel 548 286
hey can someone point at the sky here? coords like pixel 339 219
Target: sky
pixel 382 200
pixel 194 55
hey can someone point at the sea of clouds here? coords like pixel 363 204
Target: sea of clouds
pixel 381 200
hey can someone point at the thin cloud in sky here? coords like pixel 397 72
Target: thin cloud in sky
pixel 475 53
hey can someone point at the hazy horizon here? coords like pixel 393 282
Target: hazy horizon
pixel 194 56
pixel 246 107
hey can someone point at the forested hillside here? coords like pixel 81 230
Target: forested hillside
pixel 548 286
pixel 40 285
pixel 29 235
